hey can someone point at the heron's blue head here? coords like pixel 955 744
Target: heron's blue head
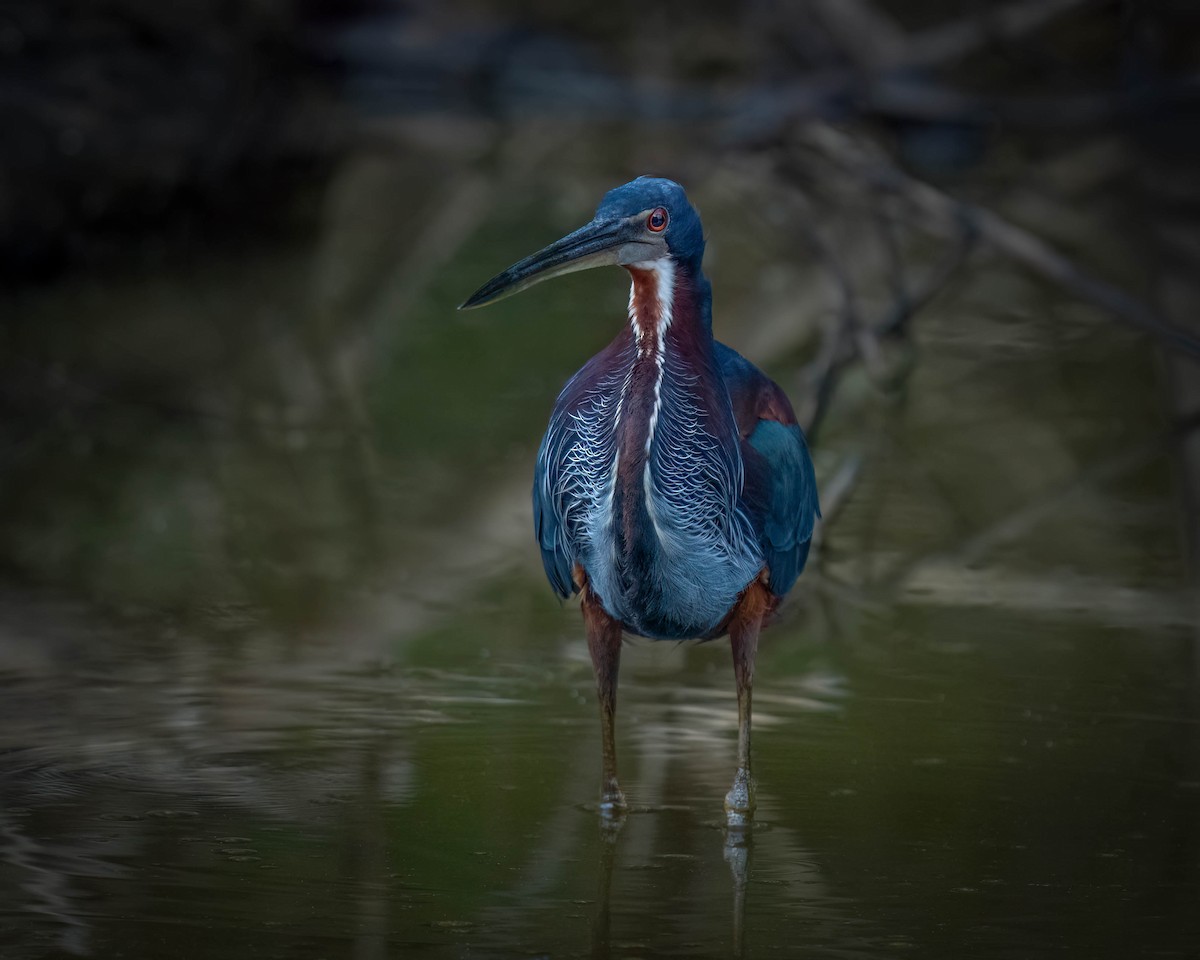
pixel 647 219
pixel 663 208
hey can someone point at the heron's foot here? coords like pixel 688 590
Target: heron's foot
pixel 739 801
pixel 612 802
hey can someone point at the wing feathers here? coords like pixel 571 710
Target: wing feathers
pixel 781 487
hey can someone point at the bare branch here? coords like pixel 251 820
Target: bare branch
pixel 943 214
pixel 840 350
pixel 868 36
pixel 761 115
pixel 834 497
pixel 970 34
pixel 1025 519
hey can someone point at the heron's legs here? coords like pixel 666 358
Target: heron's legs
pixel 744 626
pixel 604 644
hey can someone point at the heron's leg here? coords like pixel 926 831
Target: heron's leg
pixel 604 644
pixel 744 626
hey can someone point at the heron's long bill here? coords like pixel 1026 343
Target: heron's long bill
pixel 596 244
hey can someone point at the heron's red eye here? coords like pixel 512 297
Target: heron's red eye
pixel 657 221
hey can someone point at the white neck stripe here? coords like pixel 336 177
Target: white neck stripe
pixel 664 293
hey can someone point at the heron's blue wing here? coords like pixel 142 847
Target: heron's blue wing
pixel 788 500
pixel 547 523
pixel 781 486
pixel 574 459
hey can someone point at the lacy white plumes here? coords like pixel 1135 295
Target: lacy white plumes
pixel 580 454
pixel 692 487
pixel 689 475
pixel 702 546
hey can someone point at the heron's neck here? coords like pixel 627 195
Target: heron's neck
pixel 671 330
pixel 666 295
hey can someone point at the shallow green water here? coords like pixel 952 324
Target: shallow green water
pixel 931 783
pixel 279 675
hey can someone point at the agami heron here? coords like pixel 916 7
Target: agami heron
pixel 673 488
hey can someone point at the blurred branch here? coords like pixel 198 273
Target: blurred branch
pixel 1025 519
pixel 848 340
pixel 943 214
pixel 844 339
pixel 961 38
pixel 880 70
pixel 891 68
pixel 907 304
pixel 868 36
pixel 834 497
pixel 840 349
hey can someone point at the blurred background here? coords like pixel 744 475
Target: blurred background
pixel 280 674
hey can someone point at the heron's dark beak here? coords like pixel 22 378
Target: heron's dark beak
pixel 597 244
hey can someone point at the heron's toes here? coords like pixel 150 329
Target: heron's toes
pixel 612 803
pixel 739 802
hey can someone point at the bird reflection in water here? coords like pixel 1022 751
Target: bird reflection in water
pixel 738 850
